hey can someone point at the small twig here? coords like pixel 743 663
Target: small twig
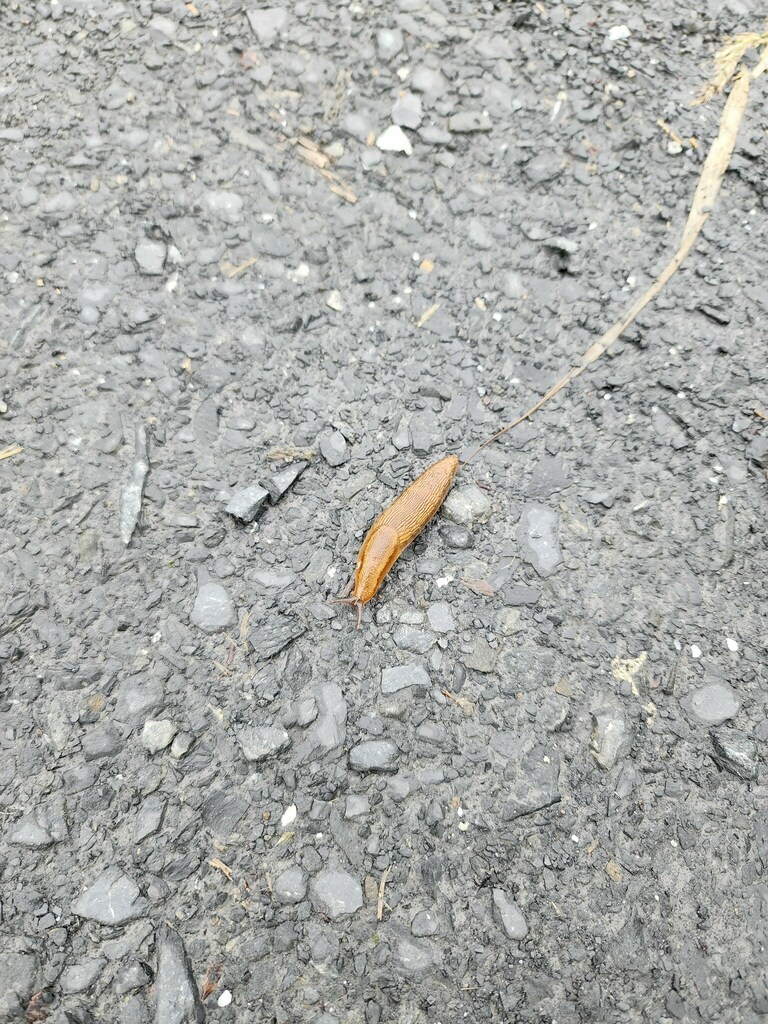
pixel 10 451
pixel 712 173
pixel 382 885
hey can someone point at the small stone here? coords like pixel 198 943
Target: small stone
pixel 227 206
pixel 333 448
pixel 182 744
pixel 214 609
pixel 611 739
pixel 389 42
pixel 424 924
pixel 112 898
pixel 469 121
pixel 731 644
pixel 401 676
pixel 290 886
pixel 267 23
pixel 225 998
pixel 509 916
pixel 18 972
pixel 735 752
pixel 374 756
pixel 158 734
pixel 394 140
pixel 428 80
pixel 336 894
pixel 150 256
pixel 28 832
pixel 289 816
pixel 280 483
pixel 542 169
pixel 80 977
pixel 356 805
pixel 483 657
pixel 509 621
pixel 334 301
pixel 416 641
pixel 407 110
pixel 758 451
pixel 306 711
pixel 28 196
pixel 176 988
pixel 618 32
pixel 714 703
pixel 440 617
pixel 414 957
pixel 261 742
pixel 248 503
pixel 467 505
pixel 537 537
pixel 457 537
pixel 102 741
pixel 275 635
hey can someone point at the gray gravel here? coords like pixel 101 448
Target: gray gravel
pixel 304 252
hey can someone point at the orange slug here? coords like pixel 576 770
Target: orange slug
pixel 395 528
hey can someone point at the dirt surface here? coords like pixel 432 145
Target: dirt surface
pixel 532 786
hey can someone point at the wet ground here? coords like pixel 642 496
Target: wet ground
pixel 307 251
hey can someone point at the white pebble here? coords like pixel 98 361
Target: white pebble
pixel 695 651
pixel 394 140
pixel 731 644
pixel 225 998
pixel 289 816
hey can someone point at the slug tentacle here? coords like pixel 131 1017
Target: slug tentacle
pixel 396 527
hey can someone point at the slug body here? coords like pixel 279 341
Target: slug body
pixel 396 527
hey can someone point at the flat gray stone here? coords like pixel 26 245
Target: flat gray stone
pixel 537 537
pixel 389 42
pixel 440 617
pixel 356 805
pixel 407 110
pixel 267 23
pixel 333 448
pixel 290 886
pixel 248 503
pixel 80 977
pixel 401 676
pixel 29 832
pixel 424 924
pixel 611 739
pixel 280 483
pixel 336 893
pixel 713 704
pixel 158 734
pixel 262 741
pixel 469 121
pixel 150 256
pixel 509 916
pixel 374 756
pixel 214 609
pixel 415 641
pixel 178 1001
pixel 226 206
pixel 274 635
pixel 112 898
pixel 18 972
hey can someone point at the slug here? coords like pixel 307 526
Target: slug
pixel 395 528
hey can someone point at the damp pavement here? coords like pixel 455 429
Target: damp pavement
pixel 260 267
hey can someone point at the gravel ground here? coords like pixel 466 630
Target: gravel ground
pixel 303 252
